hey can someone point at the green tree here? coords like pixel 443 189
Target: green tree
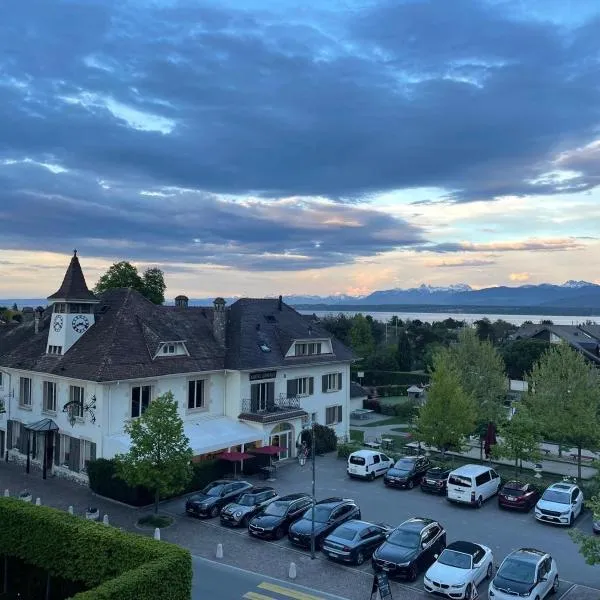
pixel 154 285
pixel 361 337
pixel 482 376
pixel 520 356
pixel 589 546
pixel 448 415
pixel 564 391
pixel 404 352
pixel 160 454
pixel 485 330
pixel 519 439
pixel 430 351
pixel 15 307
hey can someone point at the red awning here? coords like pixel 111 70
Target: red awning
pixel 272 450
pixel 235 456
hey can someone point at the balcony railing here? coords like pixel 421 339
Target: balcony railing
pixel 272 410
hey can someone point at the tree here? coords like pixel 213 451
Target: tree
pixel 154 285
pixel 589 546
pixel 160 455
pixel 520 356
pixel 404 352
pixel 15 307
pixel 482 376
pixel 448 415
pixel 564 391
pixel 361 337
pixel 519 439
pixel 485 330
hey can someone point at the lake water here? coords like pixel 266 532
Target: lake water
pixel 468 317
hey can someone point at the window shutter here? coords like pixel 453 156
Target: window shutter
pixel 191 391
pixel 271 394
pixel 339 377
pixel 292 388
pixel 93 450
pixel 254 397
pixel 324 382
pixel 339 413
pixel 74 454
pixel 24 434
pixel 311 386
pixel 9 434
pixel 56 448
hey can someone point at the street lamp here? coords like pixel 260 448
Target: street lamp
pixel 314 499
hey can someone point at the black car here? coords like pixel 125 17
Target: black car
pixel 273 521
pixel 435 480
pixel 410 548
pixel 519 495
pixel 354 541
pixel 328 514
pixel 210 501
pixel 246 506
pixel 407 471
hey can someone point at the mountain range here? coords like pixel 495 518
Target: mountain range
pixel 571 295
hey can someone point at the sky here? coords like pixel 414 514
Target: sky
pixel 264 147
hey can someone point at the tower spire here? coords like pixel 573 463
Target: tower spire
pixel 73 287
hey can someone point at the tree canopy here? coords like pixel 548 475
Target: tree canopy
pixel 520 356
pixel 361 337
pixel 125 275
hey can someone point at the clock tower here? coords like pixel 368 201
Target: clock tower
pixel 72 310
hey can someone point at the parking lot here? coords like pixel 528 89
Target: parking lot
pixel 502 531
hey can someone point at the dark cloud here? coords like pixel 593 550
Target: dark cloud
pixel 532 245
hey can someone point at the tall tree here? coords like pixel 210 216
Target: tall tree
pixel 520 356
pixel 361 337
pixel 564 392
pixel 448 415
pixel 125 275
pixel 154 285
pixel 160 454
pixel 482 376
pixel 589 546
pixel 404 352
pixel 485 330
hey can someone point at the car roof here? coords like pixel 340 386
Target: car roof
pixel 515 484
pixel 408 458
pixel 292 497
pixel 470 470
pixel 260 490
pixel 224 481
pixel 528 554
pixel 438 470
pixel 333 501
pixel 464 547
pixel 416 523
pixel 364 453
pixel 562 487
pixel 357 524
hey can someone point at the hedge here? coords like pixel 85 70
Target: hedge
pixel 112 564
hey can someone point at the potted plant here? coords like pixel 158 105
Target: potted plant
pixel 92 513
pixel 25 495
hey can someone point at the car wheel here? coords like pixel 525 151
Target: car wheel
pixel 571 520
pixel 245 521
pixel 411 484
pixel 479 502
pixel 360 558
pixel 412 572
pixel 490 571
pixel 555 585
pixel 214 511
pixel 372 476
pixel 279 533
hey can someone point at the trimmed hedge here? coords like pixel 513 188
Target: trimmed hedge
pixel 114 565
pixel 345 450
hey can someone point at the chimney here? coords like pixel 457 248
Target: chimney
pixel 280 303
pixel 36 319
pixel 181 301
pixel 219 321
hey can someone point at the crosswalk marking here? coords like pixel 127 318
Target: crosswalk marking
pixel 290 593
pixel 256 596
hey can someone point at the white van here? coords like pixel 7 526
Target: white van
pixel 473 484
pixel 368 464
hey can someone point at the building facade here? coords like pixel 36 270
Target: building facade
pixel 255 373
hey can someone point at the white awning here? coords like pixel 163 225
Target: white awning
pixel 206 435
pixel 413 389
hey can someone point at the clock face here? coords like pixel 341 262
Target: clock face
pixel 80 323
pixel 58 323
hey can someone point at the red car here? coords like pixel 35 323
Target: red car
pixel 518 495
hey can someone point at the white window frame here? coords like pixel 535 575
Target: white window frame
pixel 65 458
pixel 336 420
pixel 303 387
pixel 332 377
pixel 263 394
pixel 308 348
pixel 85 453
pixel 49 396
pixel 197 383
pixel 15 434
pixel 141 387
pixel 77 394
pixel 25 392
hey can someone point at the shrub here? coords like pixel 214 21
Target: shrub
pixel 345 450
pixel 388 409
pixel 112 564
pixel 407 410
pixel 372 404
pixel 325 439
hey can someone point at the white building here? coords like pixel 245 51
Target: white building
pixel 246 375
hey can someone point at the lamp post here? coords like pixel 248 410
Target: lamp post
pixel 312 524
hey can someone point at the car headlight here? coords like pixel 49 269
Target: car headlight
pixel 404 564
pixel 458 585
pixel 203 505
pixel 238 514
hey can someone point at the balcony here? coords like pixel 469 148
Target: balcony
pixel 282 408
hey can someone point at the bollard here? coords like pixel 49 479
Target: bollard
pixel 6 493
pixel 105 520
pixel 70 510
pixel 219 550
pixel 157 534
pixel 292 572
pixel 38 501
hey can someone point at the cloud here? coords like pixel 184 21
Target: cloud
pixel 532 245
pixel 520 277
pixel 460 263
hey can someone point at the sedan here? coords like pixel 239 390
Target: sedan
pixel 459 569
pixel 210 501
pixel 410 548
pixel 518 495
pixel 435 480
pixel 246 506
pixel 354 541
pixel 407 471
pixel 275 519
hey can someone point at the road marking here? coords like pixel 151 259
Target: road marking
pixel 271 587
pixel 256 596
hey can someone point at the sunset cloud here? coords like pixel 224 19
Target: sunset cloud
pixel 520 277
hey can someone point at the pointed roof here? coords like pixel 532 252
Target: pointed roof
pixel 73 287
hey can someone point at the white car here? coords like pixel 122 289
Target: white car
pixel 460 567
pixel 561 504
pixel 525 573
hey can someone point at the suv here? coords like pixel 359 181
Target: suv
pixel 275 519
pixel 435 480
pixel 328 514
pixel 246 506
pixel 561 504
pixel 525 573
pixel 407 471
pixel 210 501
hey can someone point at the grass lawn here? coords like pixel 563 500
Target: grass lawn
pixel 390 421
pixel 393 399
pixel 357 436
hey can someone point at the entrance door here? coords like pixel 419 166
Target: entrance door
pixel 49 449
pixel 283 439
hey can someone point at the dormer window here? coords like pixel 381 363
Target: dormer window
pixel 172 349
pixel 169 349
pixel 308 348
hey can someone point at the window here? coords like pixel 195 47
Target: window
pixel 333 415
pixel 140 399
pixel 65 449
pixel 60 307
pixel 483 478
pixel 376 459
pixel 25 391
pixel 308 348
pixel 87 452
pixel 196 394
pixel 262 395
pixel 169 349
pixel 76 394
pixel 49 396
pixel 1 379
pixel 15 434
pixel 332 382
pixel 55 350
pixel 302 386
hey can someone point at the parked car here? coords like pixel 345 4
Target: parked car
pixel 459 569
pixel 328 514
pixel 368 464
pixel 246 506
pixel 561 504
pixel 274 520
pixel 473 484
pixel 435 480
pixel 407 471
pixel 410 548
pixel 526 573
pixel 210 501
pixel 354 541
pixel 519 495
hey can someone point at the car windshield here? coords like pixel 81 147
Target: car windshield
pixel 404 465
pixel 213 489
pixel 321 514
pixel 436 475
pixel 460 560
pixel 516 570
pixel 513 490
pixel 357 460
pixel 247 500
pixel 345 533
pixel 407 538
pixel 276 509
pixel 558 497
